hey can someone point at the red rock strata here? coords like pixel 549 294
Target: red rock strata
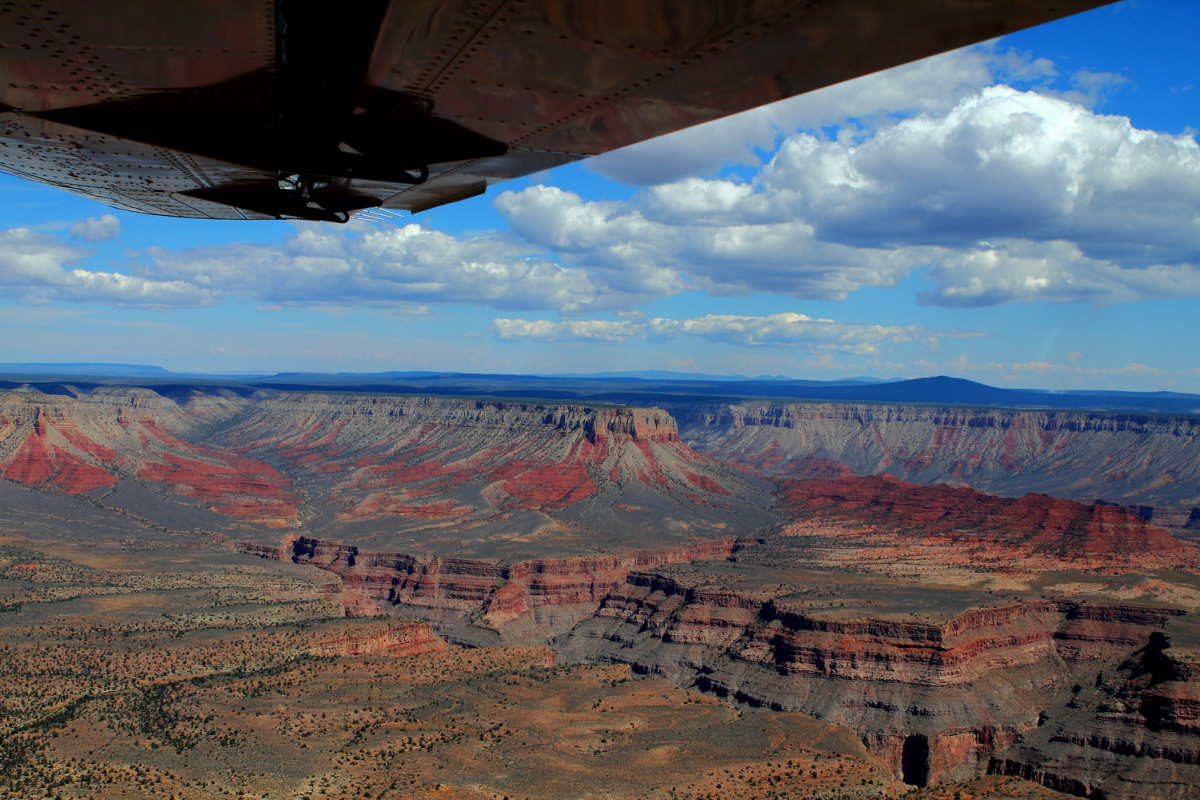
pixel 527 599
pixel 49 458
pixel 81 444
pixel 397 457
pixel 1131 732
pixel 393 638
pixel 936 701
pixel 1034 525
pixel 1131 459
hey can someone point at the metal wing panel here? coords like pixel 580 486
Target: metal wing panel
pixel 68 53
pixel 73 53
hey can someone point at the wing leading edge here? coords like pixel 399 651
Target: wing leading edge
pixel 249 109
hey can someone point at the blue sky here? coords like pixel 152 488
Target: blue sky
pixel 1022 213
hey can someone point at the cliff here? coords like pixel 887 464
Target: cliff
pixel 1036 528
pixel 1130 732
pixel 372 468
pixel 427 474
pixel 394 637
pixel 482 601
pixel 938 700
pixel 1131 459
pixel 94 441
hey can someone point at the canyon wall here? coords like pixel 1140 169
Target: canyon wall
pixel 377 467
pixel 484 602
pixel 1132 459
pixel 938 701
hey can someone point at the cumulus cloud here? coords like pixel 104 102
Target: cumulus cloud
pixel 1002 164
pixel 1009 196
pixel 654 250
pixel 773 330
pixel 1057 272
pixel 994 195
pixel 402 265
pixel 591 330
pixel 794 329
pixel 36 268
pixel 97 229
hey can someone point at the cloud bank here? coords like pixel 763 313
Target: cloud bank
pixel 773 330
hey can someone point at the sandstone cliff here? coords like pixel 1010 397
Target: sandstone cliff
pixel 1132 459
pixel 480 601
pixel 938 700
pixel 378 467
pixel 100 439
pixel 1041 530
pixel 1130 731
pixel 429 474
pixel 954 631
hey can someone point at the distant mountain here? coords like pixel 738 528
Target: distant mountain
pixel 958 391
pixel 636 388
pixel 666 375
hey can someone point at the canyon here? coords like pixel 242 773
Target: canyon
pixel 1145 461
pixel 925 580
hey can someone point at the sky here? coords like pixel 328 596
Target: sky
pixel 1024 213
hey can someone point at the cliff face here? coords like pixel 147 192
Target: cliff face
pixel 937 701
pixel 375 466
pixel 1036 528
pixel 97 440
pixel 484 601
pixel 395 638
pixel 954 631
pixel 429 469
pixel 1130 732
pixel 1131 459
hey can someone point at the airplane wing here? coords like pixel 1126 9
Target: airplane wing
pixel 282 109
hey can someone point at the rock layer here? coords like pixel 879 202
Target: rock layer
pixel 96 440
pixel 1132 459
pixel 1031 527
pixel 937 701
pixel 485 601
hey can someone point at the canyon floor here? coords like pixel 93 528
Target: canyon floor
pixel 212 595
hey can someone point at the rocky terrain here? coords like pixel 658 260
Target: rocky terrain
pixel 1142 460
pixel 809 631
pixel 939 686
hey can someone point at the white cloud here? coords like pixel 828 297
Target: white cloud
pixel 652 247
pixel 403 265
pixel 1024 271
pixel 927 86
pixel 1001 164
pixel 35 268
pixel 1009 196
pixel 996 195
pixel 787 329
pixel 591 330
pixel 774 330
pixel 97 229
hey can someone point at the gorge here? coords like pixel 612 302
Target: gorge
pixel 788 558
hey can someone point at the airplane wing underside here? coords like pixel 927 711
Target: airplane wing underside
pixel 268 109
